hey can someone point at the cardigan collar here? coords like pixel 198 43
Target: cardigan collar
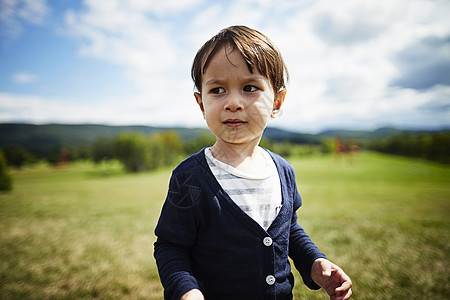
pixel 226 199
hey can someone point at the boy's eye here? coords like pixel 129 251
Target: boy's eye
pixel 250 88
pixel 218 90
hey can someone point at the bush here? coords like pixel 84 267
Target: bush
pixel 102 150
pixel 5 178
pixel 197 144
pixel 166 148
pixel 133 151
pixel 18 156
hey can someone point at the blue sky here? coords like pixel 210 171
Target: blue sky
pixel 356 65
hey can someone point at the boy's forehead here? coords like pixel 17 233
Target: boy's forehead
pixel 225 56
pixel 220 54
pixel 229 60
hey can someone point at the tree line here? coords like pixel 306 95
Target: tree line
pixel 135 150
pixel 433 146
pixel 140 152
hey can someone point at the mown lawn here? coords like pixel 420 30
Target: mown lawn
pixel 86 232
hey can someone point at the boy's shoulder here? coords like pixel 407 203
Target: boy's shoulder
pixel 191 163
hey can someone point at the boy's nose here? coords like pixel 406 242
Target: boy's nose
pixel 234 104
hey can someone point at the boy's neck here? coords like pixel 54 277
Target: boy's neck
pixel 240 156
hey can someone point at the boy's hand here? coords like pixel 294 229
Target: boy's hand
pixel 332 279
pixel 193 295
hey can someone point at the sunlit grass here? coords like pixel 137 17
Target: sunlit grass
pixel 87 232
pixel 384 220
pixel 76 233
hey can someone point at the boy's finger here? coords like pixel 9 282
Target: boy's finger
pixel 345 286
pixel 342 296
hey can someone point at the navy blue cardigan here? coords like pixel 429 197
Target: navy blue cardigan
pixel 205 241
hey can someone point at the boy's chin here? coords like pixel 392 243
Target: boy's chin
pixel 241 141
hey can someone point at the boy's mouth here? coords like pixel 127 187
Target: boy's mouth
pixel 234 122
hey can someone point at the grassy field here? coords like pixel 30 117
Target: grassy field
pixel 86 232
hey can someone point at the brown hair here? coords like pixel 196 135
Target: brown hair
pixel 257 50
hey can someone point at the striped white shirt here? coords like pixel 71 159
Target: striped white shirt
pixel 259 196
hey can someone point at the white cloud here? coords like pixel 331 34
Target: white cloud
pixel 24 78
pixel 341 58
pixel 163 8
pixel 347 82
pixel 115 111
pixel 14 12
pixel 122 35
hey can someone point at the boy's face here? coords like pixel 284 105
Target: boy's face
pixel 236 103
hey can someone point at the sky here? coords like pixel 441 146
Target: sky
pixel 353 64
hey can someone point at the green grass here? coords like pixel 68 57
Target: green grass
pixel 85 232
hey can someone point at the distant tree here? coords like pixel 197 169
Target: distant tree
pixel 5 178
pixel 166 148
pixel 133 150
pixel 439 149
pixel 53 155
pixel 328 145
pixel 268 144
pixel 102 149
pixel 431 146
pixel 79 152
pixel 197 144
pixel 18 156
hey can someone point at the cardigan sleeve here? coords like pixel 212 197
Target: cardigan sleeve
pixel 302 250
pixel 176 234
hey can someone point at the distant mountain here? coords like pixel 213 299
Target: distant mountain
pixel 281 135
pixel 361 134
pixel 58 135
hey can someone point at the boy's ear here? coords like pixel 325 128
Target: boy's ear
pixel 279 99
pixel 277 103
pixel 198 98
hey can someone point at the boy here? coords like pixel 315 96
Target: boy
pixel 229 221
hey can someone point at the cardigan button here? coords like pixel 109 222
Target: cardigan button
pixel 270 280
pixel 267 241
